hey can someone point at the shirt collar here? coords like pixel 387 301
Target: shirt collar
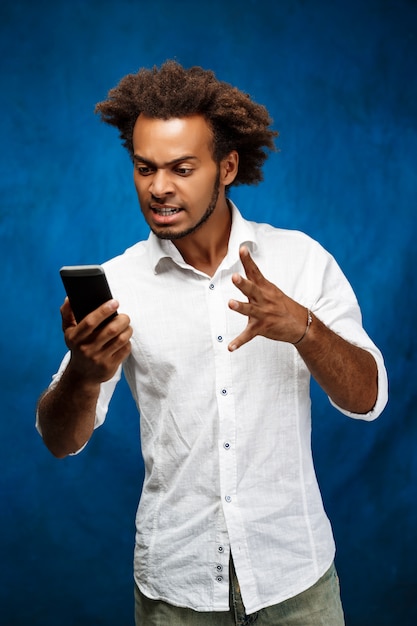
pixel 242 233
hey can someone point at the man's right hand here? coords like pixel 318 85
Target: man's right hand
pixel 96 351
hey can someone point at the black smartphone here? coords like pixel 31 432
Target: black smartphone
pixel 87 288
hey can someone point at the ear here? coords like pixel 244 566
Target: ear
pixel 229 167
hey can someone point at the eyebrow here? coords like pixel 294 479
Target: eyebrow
pixel 181 159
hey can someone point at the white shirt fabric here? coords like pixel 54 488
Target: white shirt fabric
pixel 226 436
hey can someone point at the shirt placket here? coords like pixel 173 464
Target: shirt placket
pixel 217 310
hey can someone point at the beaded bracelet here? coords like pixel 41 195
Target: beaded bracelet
pixel 309 320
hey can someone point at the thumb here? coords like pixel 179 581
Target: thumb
pixel 67 315
pixel 239 341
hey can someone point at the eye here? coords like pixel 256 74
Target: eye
pixel 144 170
pixel 183 171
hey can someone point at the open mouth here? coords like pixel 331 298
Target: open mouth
pixel 165 211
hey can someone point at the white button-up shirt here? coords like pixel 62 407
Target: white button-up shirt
pixel 226 436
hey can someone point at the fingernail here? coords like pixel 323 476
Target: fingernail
pixel 233 304
pixel 112 305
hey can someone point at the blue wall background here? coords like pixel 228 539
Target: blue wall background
pixel 339 79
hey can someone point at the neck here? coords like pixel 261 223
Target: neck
pixel 206 248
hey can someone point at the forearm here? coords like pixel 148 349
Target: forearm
pixel 67 413
pixel 348 374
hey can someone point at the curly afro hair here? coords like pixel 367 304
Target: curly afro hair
pixel 170 91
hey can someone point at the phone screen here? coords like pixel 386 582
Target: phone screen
pixel 87 288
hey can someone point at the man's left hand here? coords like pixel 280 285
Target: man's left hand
pixel 270 312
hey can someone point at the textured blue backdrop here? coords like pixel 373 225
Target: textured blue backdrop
pixel 339 79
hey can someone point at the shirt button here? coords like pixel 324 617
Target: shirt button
pixel 224 392
pixel 220 549
pixel 219 579
pixel 226 445
pixel 228 498
pixel 211 286
pixel 219 568
pixel 219 338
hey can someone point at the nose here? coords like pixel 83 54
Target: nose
pixel 161 184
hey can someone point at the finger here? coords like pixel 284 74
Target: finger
pixel 100 363
pixel 247 287
pixel 118 331
pixel 112 334
pixel 102 350
pixel 240 340
pixel 252 270
pixel 118 344
pixel 93 320
pixel 245 308
pixel 254 289
pixel 239 282
pixel 117 356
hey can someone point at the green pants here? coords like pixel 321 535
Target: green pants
pixel 320 605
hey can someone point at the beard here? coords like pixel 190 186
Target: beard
pixel 172 235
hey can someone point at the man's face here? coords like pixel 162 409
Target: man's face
pixel 176 178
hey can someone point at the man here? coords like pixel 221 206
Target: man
pixel 222 321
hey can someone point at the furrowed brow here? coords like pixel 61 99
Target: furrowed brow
pixel 188 157
pixel 141 159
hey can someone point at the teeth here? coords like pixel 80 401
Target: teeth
pixel 166 211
